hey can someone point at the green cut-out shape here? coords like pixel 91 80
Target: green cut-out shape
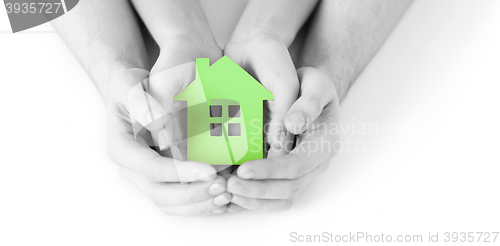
pixel 224 84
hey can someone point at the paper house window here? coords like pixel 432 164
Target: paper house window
pixel 233 111
pixel 225 113
pixel 234 129
pixel 216 111
pixel 216 129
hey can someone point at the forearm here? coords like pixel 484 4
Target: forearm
pixel 105 37
pixel 345 34
pixel 167 19
pixel 278 19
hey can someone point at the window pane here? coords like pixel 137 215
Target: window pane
pixel 216 129
pixel 234 111
pixel 216 111
pixel 234 129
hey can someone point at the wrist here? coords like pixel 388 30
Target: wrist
pixel 182 49
pixel 191 39
pixel 245 34
pixel 278 19
pixel 195 37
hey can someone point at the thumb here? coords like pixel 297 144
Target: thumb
pixel 316 91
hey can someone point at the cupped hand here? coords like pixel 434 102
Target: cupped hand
pixel 178 188
pixel 275 183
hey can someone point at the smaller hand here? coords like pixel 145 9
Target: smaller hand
pixel 275 183
pixel 269 61
pixel 173 71
pixel 158 177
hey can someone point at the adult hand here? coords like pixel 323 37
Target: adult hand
pixel 274 183
pixel 158 177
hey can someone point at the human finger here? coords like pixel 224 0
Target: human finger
pixel 316 91
pixel 273 189
pixel 124 149
pixel 204 207
pixel 175 194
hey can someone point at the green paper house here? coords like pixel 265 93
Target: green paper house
pixel 224 114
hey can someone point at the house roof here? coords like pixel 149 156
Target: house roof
pixel 225 80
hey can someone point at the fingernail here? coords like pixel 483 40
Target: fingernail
pixel 233 208
pixel 176 153
pixel 237 188
pixel 239 200
pixel 153 115
pixel 216 189
pixel 222 199
pixel 298 120
pixel 162 140
pixel 248 175
pixel 219 210
pixel 278 144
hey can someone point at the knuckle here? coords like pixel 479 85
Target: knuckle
pixel 312 102
pixel 261 193
pixel 269 174
pixel 195 198
pixel 286 78
pixel 288 204
pixel 256 205
pixel 271 169
pixel 295 189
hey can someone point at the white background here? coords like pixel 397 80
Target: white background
pixel 434 166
